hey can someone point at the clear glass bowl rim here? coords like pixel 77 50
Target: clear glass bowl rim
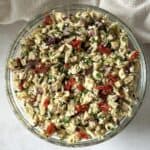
pixel 76 7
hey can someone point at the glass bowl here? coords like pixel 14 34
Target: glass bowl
pixel 17 105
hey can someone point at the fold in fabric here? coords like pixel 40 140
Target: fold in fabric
pixel 13 10
pixel 135 13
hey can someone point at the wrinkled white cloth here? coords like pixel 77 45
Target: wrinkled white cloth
pixel 135 13
pixel 13 10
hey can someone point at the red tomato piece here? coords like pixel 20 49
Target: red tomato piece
pixel 105 89
pixel 67 87
pixel 47 20
pixel 103 106
pixel 80 87
pixel 70 83
pixel 41 68
pixel 83 135
pixel 66 65
pixel 76 44
pixel 21 84
pixel 51 128
pixel 80 108
pixel 134 55
pixel 104 50
pixel 46 102
pixel 112 79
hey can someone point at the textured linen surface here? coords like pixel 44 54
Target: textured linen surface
pixel 135 13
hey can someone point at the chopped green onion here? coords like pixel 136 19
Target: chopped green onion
pixel 66 120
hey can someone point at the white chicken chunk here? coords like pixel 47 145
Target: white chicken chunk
pixel 68 52
pixel 121 73
pixel 112 101
pixel 71 127
pixel 128 79
pixel 89 83
pixel 88 97
pixel 74 69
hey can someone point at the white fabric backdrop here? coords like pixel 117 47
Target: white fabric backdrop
pixel 12 10
pixel 13 135
pixel 136 13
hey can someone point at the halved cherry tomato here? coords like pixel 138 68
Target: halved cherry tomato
pixel 80 108
pixel 76 44
pixel 47 20
pixel 105 89
pixel 134 55
pixel 46 102
pixel 66 65
pixel 103 106
pixel 82 135
pixel 21 84
pixel 112 79
pixel 104 50
pixel 80 87
pixel 51 128
pixel 69 84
